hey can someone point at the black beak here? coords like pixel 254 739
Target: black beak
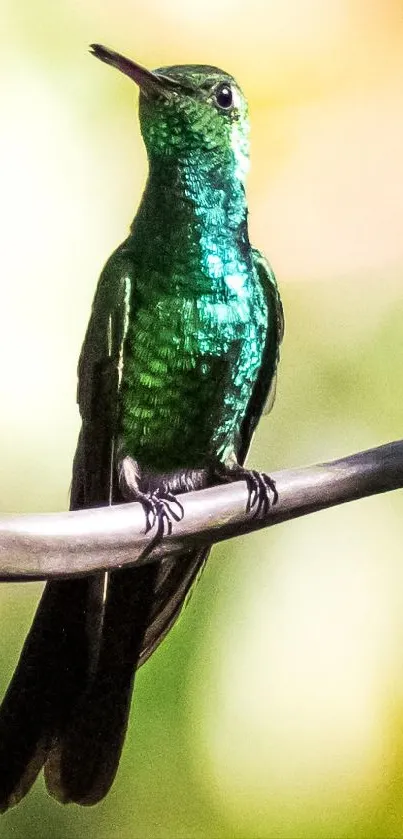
pixel 147 81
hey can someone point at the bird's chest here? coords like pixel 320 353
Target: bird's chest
pixel 190 364
pixel 173 335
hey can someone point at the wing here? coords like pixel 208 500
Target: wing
pixel 94 484
pixel 264 391
pixel 98 384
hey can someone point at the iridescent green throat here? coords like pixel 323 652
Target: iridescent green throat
pixel 191 226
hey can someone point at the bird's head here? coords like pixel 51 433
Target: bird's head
pixel 189 112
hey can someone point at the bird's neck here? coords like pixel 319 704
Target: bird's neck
pixel 194 215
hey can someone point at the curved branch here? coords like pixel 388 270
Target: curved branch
pixel 36 547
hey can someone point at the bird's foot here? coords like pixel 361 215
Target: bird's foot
pixel 161 507
pixel 262 492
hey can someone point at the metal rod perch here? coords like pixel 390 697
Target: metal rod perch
pixel 68 544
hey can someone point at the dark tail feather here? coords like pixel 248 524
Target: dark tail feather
pixel 142 604
pixel 49 677
pixel 83 765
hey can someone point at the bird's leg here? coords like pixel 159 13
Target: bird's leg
pixel 262 492
pixel 175 483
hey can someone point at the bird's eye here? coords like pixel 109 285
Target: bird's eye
pixel 223 96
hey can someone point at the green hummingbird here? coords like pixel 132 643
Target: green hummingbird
pixel 178 363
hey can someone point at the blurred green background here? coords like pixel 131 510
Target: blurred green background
pixel 275 708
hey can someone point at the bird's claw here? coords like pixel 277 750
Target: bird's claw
pixel 260 486
pixel 159 510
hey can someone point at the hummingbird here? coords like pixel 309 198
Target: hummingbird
pixel 178 364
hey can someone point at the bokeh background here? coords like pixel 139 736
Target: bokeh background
pixel 275 708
